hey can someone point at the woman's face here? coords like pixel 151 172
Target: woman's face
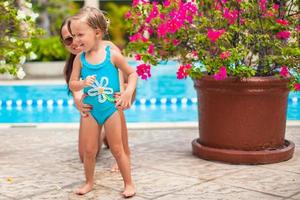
pixel 69 41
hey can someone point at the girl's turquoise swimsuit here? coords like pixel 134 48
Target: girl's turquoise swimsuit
pixel 100 94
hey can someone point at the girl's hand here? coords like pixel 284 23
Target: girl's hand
pixel 124 100
pixel 89 80
pixel 84 109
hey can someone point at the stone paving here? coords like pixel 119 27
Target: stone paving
pixel 43 164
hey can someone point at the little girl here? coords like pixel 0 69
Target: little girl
pixel 100 80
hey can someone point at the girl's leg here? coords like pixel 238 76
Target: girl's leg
pixel 80 143
pixel 90 133
pixel 124 130
pixel 114 138
pixel 80 138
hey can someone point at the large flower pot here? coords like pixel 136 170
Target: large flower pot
pixel 242 121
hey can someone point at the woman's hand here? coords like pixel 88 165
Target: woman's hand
pixel 123 100
pixel 84 109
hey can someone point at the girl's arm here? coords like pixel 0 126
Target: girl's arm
pixel 119 60
pixel 75 83
pixel 122 82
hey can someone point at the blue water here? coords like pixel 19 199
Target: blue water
pixel 162 98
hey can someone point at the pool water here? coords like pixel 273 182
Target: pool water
pixel 162 98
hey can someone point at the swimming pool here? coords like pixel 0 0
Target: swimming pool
pixel 162 98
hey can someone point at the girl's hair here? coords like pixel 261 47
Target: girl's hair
pixel 69 62
pixel 94 18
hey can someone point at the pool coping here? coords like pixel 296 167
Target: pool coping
pixel 142 125
pixel 54 81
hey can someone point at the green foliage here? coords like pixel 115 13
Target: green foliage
pixel 117 28
pixel 243 37
pixel 49 49
pixel 17 28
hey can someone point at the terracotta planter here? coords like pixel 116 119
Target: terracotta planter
pixel 242 121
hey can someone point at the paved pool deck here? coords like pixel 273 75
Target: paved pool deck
pixel 42 163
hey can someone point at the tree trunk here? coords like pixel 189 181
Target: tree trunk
pixel 92 3
pixel 44 17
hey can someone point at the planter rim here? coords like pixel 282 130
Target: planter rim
pixel 250 79
pixel 243 83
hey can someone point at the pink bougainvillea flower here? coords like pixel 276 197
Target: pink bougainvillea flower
pixel 214 35
pixel 297 86
pixel 195 53
pixel 162 30
pixel 176 42
pixel 128 15
pixel 282 22
pixel 176 19
pixel 242 20
pixel 283 35
pixel 219 4
pixel 135 37
pixel 143 70
pixel 224 55
pixel 182 71
pixel 153 14
pixel 276 6
pixel 231 16
pixel 222 74
pixel 138 57
pixel 263 5
pixel 151 49
pixel 166 3
pixel 268 13
pixel 284 71
pixel 136 2
pixel 298 28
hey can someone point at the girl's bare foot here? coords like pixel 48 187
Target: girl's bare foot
pixel 129 191
pixel 114 168
pixel 84 189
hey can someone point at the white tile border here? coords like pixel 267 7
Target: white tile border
pixel 59 81
pixel 150 125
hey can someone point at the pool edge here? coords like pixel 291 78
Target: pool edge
pixel 144 125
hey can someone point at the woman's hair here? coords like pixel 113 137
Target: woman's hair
pixel 94 18
pixel 69 62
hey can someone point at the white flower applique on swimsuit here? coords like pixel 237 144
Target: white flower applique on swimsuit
pixel 101 90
